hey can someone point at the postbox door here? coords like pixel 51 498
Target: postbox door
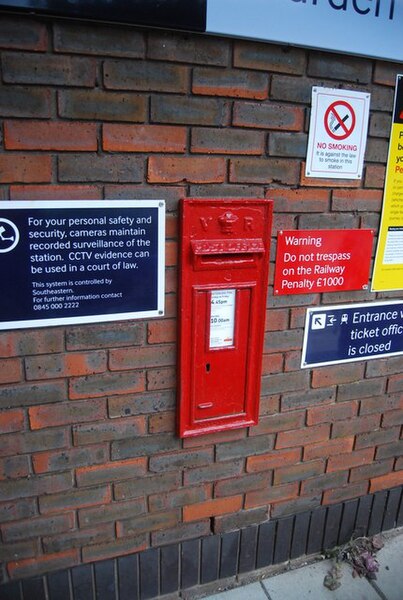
pixel 219 380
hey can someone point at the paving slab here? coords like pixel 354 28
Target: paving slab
pixel 390 576
pixel 306 583
pixel 253 591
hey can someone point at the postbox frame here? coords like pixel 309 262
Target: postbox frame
pixel 221 255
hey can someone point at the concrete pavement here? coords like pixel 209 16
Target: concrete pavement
pixel 306 583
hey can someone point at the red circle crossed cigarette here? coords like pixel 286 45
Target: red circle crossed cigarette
pixel 340 120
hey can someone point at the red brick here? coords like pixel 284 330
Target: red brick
pixel 43 564
pixel 375 176
pixel 386 481
pixel 10 370
pixel 354 426
pixel 114 549
pixel 361 200
pixel 277 493
pixel 178 498
pixel 65 365
pixel 215 438
pixel 277 319
pixel 55 192
pixel 385 73
pixel 48 135
pixel 394 417
pixel 333 375
pixel 354 459
pixel 136 358
pixel 380 404
pixel 265 171
pixel 227 141
pixel 272 363
pixel 11 420
pixel 162 422
pixel 48 69
pixel 109 430
pixel 97 104
pixel 374 469
pixel 147 523
pixel 268 116
pixel 75 498
pixel 331 413
pixel 273 459
pixel 298 472
pixel 178 47
pixel 211 508
pixel 144 138
pixel 78 538
pixel 114 471
pixel 31 342
pixel 161 379
pixel 105 384
pixel 345 493
pixel 25 168
pixel 145 76
pixel 88 517
pixel 279 422
pixel 23 34
pixel 300 437
pixel 98 39
pixel 161 331
pixel 35 486
pixel 38 526
pixel 45 462
pixel 268 57
pixel 65 413
pixel 340 446
pixel 164 169
pixel 14 467
pixel 299 200
pixel 232 83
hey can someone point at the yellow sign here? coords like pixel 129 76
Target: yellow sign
pixel 388 268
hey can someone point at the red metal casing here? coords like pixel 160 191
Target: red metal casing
pixel 224 263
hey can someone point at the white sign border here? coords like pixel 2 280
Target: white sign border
pixel 108 317
pixel 334 95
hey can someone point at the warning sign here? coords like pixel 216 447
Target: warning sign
pixel 337 133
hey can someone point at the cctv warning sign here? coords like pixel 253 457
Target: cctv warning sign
pixel 337 133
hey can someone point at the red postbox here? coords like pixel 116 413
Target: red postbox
pixel 224 262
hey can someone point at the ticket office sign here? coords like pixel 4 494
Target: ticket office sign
pixel 388 266
pixel 322 261
pixel 72 262
pixel 352 332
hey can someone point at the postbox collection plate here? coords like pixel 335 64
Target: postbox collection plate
pixel 224 262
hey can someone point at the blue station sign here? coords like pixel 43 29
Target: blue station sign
pixel 70 262
pixel 351 332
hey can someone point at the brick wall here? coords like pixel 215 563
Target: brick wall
pixel 90 466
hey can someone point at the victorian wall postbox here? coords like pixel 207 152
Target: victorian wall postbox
pixel 224 261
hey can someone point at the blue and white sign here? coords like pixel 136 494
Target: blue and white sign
pixel 71 262
pixel 351 332
pixel 362 27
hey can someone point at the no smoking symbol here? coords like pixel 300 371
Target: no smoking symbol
pixel 340 120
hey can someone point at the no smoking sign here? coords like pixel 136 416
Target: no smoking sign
pixel 337 133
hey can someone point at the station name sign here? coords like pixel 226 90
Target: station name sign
pixel 72 262
pixel 363 27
